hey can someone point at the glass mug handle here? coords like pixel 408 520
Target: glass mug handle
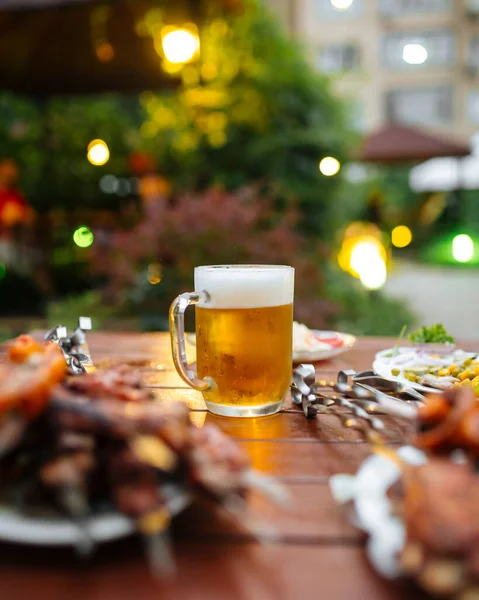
pixel 177 337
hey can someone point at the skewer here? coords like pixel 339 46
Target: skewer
pixel 305 394
pixel 75 348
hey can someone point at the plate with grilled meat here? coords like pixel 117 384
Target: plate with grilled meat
pixel 93 457
pixel 420 504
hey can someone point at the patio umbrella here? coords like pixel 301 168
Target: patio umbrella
pixel 52 47
pixel 401 144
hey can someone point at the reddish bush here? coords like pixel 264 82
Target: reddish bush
pixel 213 227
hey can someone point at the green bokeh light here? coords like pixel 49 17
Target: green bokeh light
pixel 440 252
pixel 3 270
pixel 462 248
pixel 83 237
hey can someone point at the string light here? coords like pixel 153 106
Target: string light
pixel 98 153
pixel 329 166
pixel 105 52
pixel 401 236
pixel 83 237
pixel 180 45
pixel 462 248
pixel 154 273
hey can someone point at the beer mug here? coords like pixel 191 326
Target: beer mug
pixel 244 330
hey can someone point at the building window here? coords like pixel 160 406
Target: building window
pixel 330 10
pixel 436 49
pixel 421 106
pixel 473 106
pixel 338 58
pixel 407 7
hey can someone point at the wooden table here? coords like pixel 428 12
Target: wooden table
pixel 318 555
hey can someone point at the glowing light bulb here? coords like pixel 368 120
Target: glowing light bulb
pixel 401 236
pixel 83 237
pixel 154 273
pixel 462 248
pixel 329 166
pixel 341 5
pixel 98 153
pixel 414 54
pixel 374 274
pixel 362 254
pixel 180 45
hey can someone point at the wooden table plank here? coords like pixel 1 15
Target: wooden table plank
pixel 295 427
pixel 311 517
pixel 204 572
pixel 301 462
pixel 318 553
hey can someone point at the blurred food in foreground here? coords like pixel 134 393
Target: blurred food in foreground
pixel 450 421
pixel 441 516
pixel 90 444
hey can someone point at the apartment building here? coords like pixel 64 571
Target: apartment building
pixel 406 61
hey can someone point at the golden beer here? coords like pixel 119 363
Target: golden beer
pixel 247 353
pixel 244 330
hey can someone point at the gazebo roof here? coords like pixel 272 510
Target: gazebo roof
pixel 398 143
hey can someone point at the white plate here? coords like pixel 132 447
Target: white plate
pixel 21 528
pixel 312 356
pixel 384 370
pixel 348 342
pixel 382 367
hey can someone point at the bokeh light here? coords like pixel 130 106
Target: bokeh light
pixel 462 248
pixel 154 273
pixel 414 54
pixel 98 153
pixel 363 255
pixel 108 184
pixel 3 271
pixel 364 239
pixel 329 166
pixel 180 45
pixel 341 4
pixel 124 187
pixel 105 52
pixel 401 236
pixel 83 237
pixel 373 274
pixel 363 252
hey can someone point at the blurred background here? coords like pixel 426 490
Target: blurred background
pixel 141 138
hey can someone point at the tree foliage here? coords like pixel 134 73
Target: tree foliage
pixel 154 261
pixel 251 109
pixel 48 139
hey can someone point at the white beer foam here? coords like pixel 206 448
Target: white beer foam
pixel 245 286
